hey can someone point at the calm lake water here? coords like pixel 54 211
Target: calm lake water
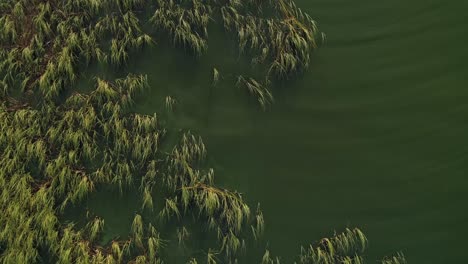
pixel 374 135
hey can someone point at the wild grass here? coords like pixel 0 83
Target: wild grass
pixel 137 230
pixel 182 235
pixel 216 76
pixel 169 103
pixel 45 41
pixel 95 228
pixel 341 248
pixel 147 198
pixel 187 27
pixel 211 257
pixel 281 42
pixel 267 259
pixel 285 40
pixel 29 139
pixel 256 89
pixel 258 228
pixel 399 258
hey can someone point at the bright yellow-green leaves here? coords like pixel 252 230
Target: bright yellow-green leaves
pixel 44 153
pixel 187 27
pixel 256 89
pixel 43 42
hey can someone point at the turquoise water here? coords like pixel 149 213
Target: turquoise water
pixel 373 135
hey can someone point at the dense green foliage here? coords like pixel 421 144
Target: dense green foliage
pixel 54 156
pixel 56 148
pixel 44 43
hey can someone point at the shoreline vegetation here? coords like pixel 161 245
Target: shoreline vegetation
pixel 58 146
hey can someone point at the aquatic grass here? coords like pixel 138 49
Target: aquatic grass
pixel 187 27
pixel 182 235
pixel 399 258
pixel 137 230
pixel 71 126
pixel 46 41
pixel 225 211
pixel 84 187
pixel 256 89
pixel 169 103
pixel 95 227
pixel 154 246
pixel 267 259
pixel 117 251
pixel 147 198
pixel 170 209
pixel 341 248
pixel 211 257
pixel 216 76
pixel 192 261
pixel 286 40
pixel 282 42
pixel 259 227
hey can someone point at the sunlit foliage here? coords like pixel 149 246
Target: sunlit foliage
pixel 57 147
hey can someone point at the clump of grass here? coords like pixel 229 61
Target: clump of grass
pixel 187 27
pixel 137 230
pixel 256 89
pixel 341 248
pixel 216 76
pixel 170 209
pixel 147 198
pixel 399 258
pixel 182 235
pixel 345 247
pixel 267 259
pixel 211 257
pixel 38 180
pixel 282 42
pixel 44 42
pixel 286 40
pixel 170 102
pixel 259 226
pixel 155 243
pixel 95 227
pixel 192 261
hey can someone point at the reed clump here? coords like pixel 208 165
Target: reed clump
pixel 45 166
pixel 343 248
pixel 186 23
pixel 256 89
pixel 43 43
pixel 399 258
pixel 282 42
pixel 285 39
pixel 44 156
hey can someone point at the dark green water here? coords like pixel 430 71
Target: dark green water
pixel 373 135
